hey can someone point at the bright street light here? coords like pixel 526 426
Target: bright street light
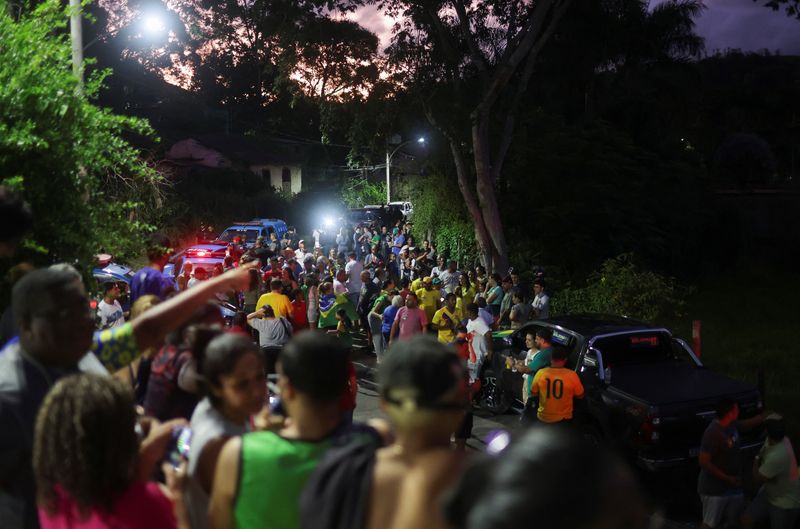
pixel 154 23
pixel 389 156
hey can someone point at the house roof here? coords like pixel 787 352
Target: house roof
pixel 256 151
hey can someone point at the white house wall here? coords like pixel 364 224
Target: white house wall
pixel 276 175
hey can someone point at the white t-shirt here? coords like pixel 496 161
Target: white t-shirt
pixel 542 303
pixel 449 280
pixel 110 314
pixel 476 330
pixel 354 269
pixel 338 287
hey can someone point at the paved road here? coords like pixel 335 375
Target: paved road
pixel 673 501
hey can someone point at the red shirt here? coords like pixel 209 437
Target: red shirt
pixel 348 400
pixel 140 506
pixel 299 314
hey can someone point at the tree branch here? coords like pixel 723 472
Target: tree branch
pixel 475 53
pixel 522 87
pixel 506 69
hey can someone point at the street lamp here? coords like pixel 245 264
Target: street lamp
pixel 152 23
pixel 389 155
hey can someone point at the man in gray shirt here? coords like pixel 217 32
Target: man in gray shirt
pixel 450 277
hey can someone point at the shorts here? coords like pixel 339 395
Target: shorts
pixel 761 510
pixel 721 511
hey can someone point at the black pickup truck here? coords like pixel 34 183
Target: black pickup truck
pixel 646 391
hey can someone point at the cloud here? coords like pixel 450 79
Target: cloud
pixel 725 24
pixel 749 26
pixel 371 18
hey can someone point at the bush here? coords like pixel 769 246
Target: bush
pixel 440 214
pixel 620 287
pixel 358 192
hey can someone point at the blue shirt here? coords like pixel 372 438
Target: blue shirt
pixel 388 318
pixel 400 240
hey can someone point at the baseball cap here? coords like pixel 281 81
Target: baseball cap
pixel 301 241
pixel 437 281
pixel 427 280
pixel 422 373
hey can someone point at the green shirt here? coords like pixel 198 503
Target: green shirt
pixel 271 477
pixel 779 466
pixel 539 361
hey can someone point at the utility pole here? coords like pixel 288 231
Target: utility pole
pixel 76 34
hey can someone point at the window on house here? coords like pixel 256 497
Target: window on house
pixel 266 174
pixel 286 180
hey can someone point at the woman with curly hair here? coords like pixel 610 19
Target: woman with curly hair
pixel 89 465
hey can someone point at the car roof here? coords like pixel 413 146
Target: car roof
pixel 589 325
pixel 204 260
pixel 210 247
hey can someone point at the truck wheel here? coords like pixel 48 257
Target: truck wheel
pixel 493 397
pixel 592 435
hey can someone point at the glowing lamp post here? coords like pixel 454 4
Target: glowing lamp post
pixel 153 23
pixel 389 155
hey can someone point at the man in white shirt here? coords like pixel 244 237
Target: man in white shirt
pixel 479 337
pixel 300 253
pixel 450 277
pixel 541 301
pixel 109 310
pixel 353 268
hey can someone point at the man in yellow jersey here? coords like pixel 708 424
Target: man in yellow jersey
pixel 276 299
pixel 445 320
pixel 429 299
pixel 416 284
pixel 556 387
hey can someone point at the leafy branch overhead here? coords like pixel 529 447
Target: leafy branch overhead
pixel 88 186
pixel 792 7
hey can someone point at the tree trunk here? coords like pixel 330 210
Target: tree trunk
pixel 482 237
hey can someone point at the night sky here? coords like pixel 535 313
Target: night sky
pixel 742 24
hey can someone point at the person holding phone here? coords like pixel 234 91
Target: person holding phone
pixel 235 389
pixel 91 469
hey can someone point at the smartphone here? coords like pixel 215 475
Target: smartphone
pixel 179 446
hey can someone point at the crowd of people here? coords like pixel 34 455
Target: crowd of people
pixel 170 417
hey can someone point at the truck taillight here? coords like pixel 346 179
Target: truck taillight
pixel 648 431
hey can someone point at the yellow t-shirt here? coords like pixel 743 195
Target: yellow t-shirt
pixel 556 387
pixel 461 309
pixel 467 295
pixel 279 302
pixel 416 284
pixel 428 300
pixel 445 335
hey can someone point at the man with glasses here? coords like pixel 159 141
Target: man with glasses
pixel 56 330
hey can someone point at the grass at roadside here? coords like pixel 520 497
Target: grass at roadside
pixel 752 322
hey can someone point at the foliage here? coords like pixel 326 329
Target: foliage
pixel 744 159
pixel 218 197
pixel 792 7
pixel 88 187
pixel 441 216
pixel 620 287
pixel 358 192
pixel 598 195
